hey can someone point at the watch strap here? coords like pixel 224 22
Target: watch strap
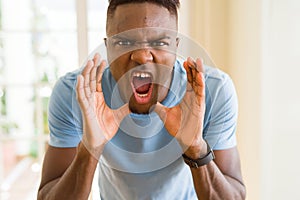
pixel 201 161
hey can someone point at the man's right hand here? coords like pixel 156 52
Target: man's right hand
pixel 100 123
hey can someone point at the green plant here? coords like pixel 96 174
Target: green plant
pixel 7 126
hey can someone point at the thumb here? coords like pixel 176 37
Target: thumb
pixel 161 111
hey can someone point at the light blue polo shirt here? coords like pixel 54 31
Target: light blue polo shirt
pixel 143 161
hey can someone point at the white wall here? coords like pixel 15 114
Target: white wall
pixel 258 43
pixel 244 63
pixel 230 31
pixel 281 100
pixel 264 61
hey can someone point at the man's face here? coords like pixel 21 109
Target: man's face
pixel 141 48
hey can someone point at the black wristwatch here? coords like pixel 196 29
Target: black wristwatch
pixel 201 161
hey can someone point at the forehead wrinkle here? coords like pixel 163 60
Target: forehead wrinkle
pixel 146 34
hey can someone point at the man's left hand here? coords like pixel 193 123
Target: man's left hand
pixel 185 121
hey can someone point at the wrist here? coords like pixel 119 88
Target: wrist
pixel 92 154
pixel 197 149
pixel 200 161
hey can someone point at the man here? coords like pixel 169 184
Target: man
pixel 137 117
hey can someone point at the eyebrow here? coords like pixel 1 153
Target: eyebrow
pixel 125 38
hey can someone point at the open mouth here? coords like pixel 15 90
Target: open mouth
pixel 142 86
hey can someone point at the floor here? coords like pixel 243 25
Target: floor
pixel 22 182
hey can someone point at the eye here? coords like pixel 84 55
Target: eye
pixel 159 44
pixel 124 43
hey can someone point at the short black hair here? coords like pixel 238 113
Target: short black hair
pixel 171 5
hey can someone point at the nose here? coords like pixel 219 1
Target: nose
pixel 142 56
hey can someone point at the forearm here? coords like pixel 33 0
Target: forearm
pixel 211 184
pixel 76 182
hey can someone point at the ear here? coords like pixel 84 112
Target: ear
pixel 177 41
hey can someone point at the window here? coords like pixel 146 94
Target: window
pixel 38 43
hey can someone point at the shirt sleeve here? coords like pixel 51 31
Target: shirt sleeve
pixel 64 116
pixel 221 112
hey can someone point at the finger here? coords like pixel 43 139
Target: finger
pixel 200 66
pixel 196 87
pixel 198 83
pixel 192 64
pixel 86 73
pixel 197 71
pixel 193 70
pixel 200 90
pixel 93 83
pixel 96 60
pixel 188 71
pixel 99 75
pixel 80 93
pixel 200 79
pixel 189 76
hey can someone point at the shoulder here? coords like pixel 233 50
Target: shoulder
pixel 221 109
pixel 64 115
pixel 218 84
pixel 211 73
pixel 63 94
pixel 215 76
pixel 67 81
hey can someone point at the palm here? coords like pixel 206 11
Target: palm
pixel 185 121
pixel 107 118
pixel 100 123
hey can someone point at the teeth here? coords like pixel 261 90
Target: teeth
pixel 142 95
pixel 141 74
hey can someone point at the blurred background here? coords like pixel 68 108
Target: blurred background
pixel 255 41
